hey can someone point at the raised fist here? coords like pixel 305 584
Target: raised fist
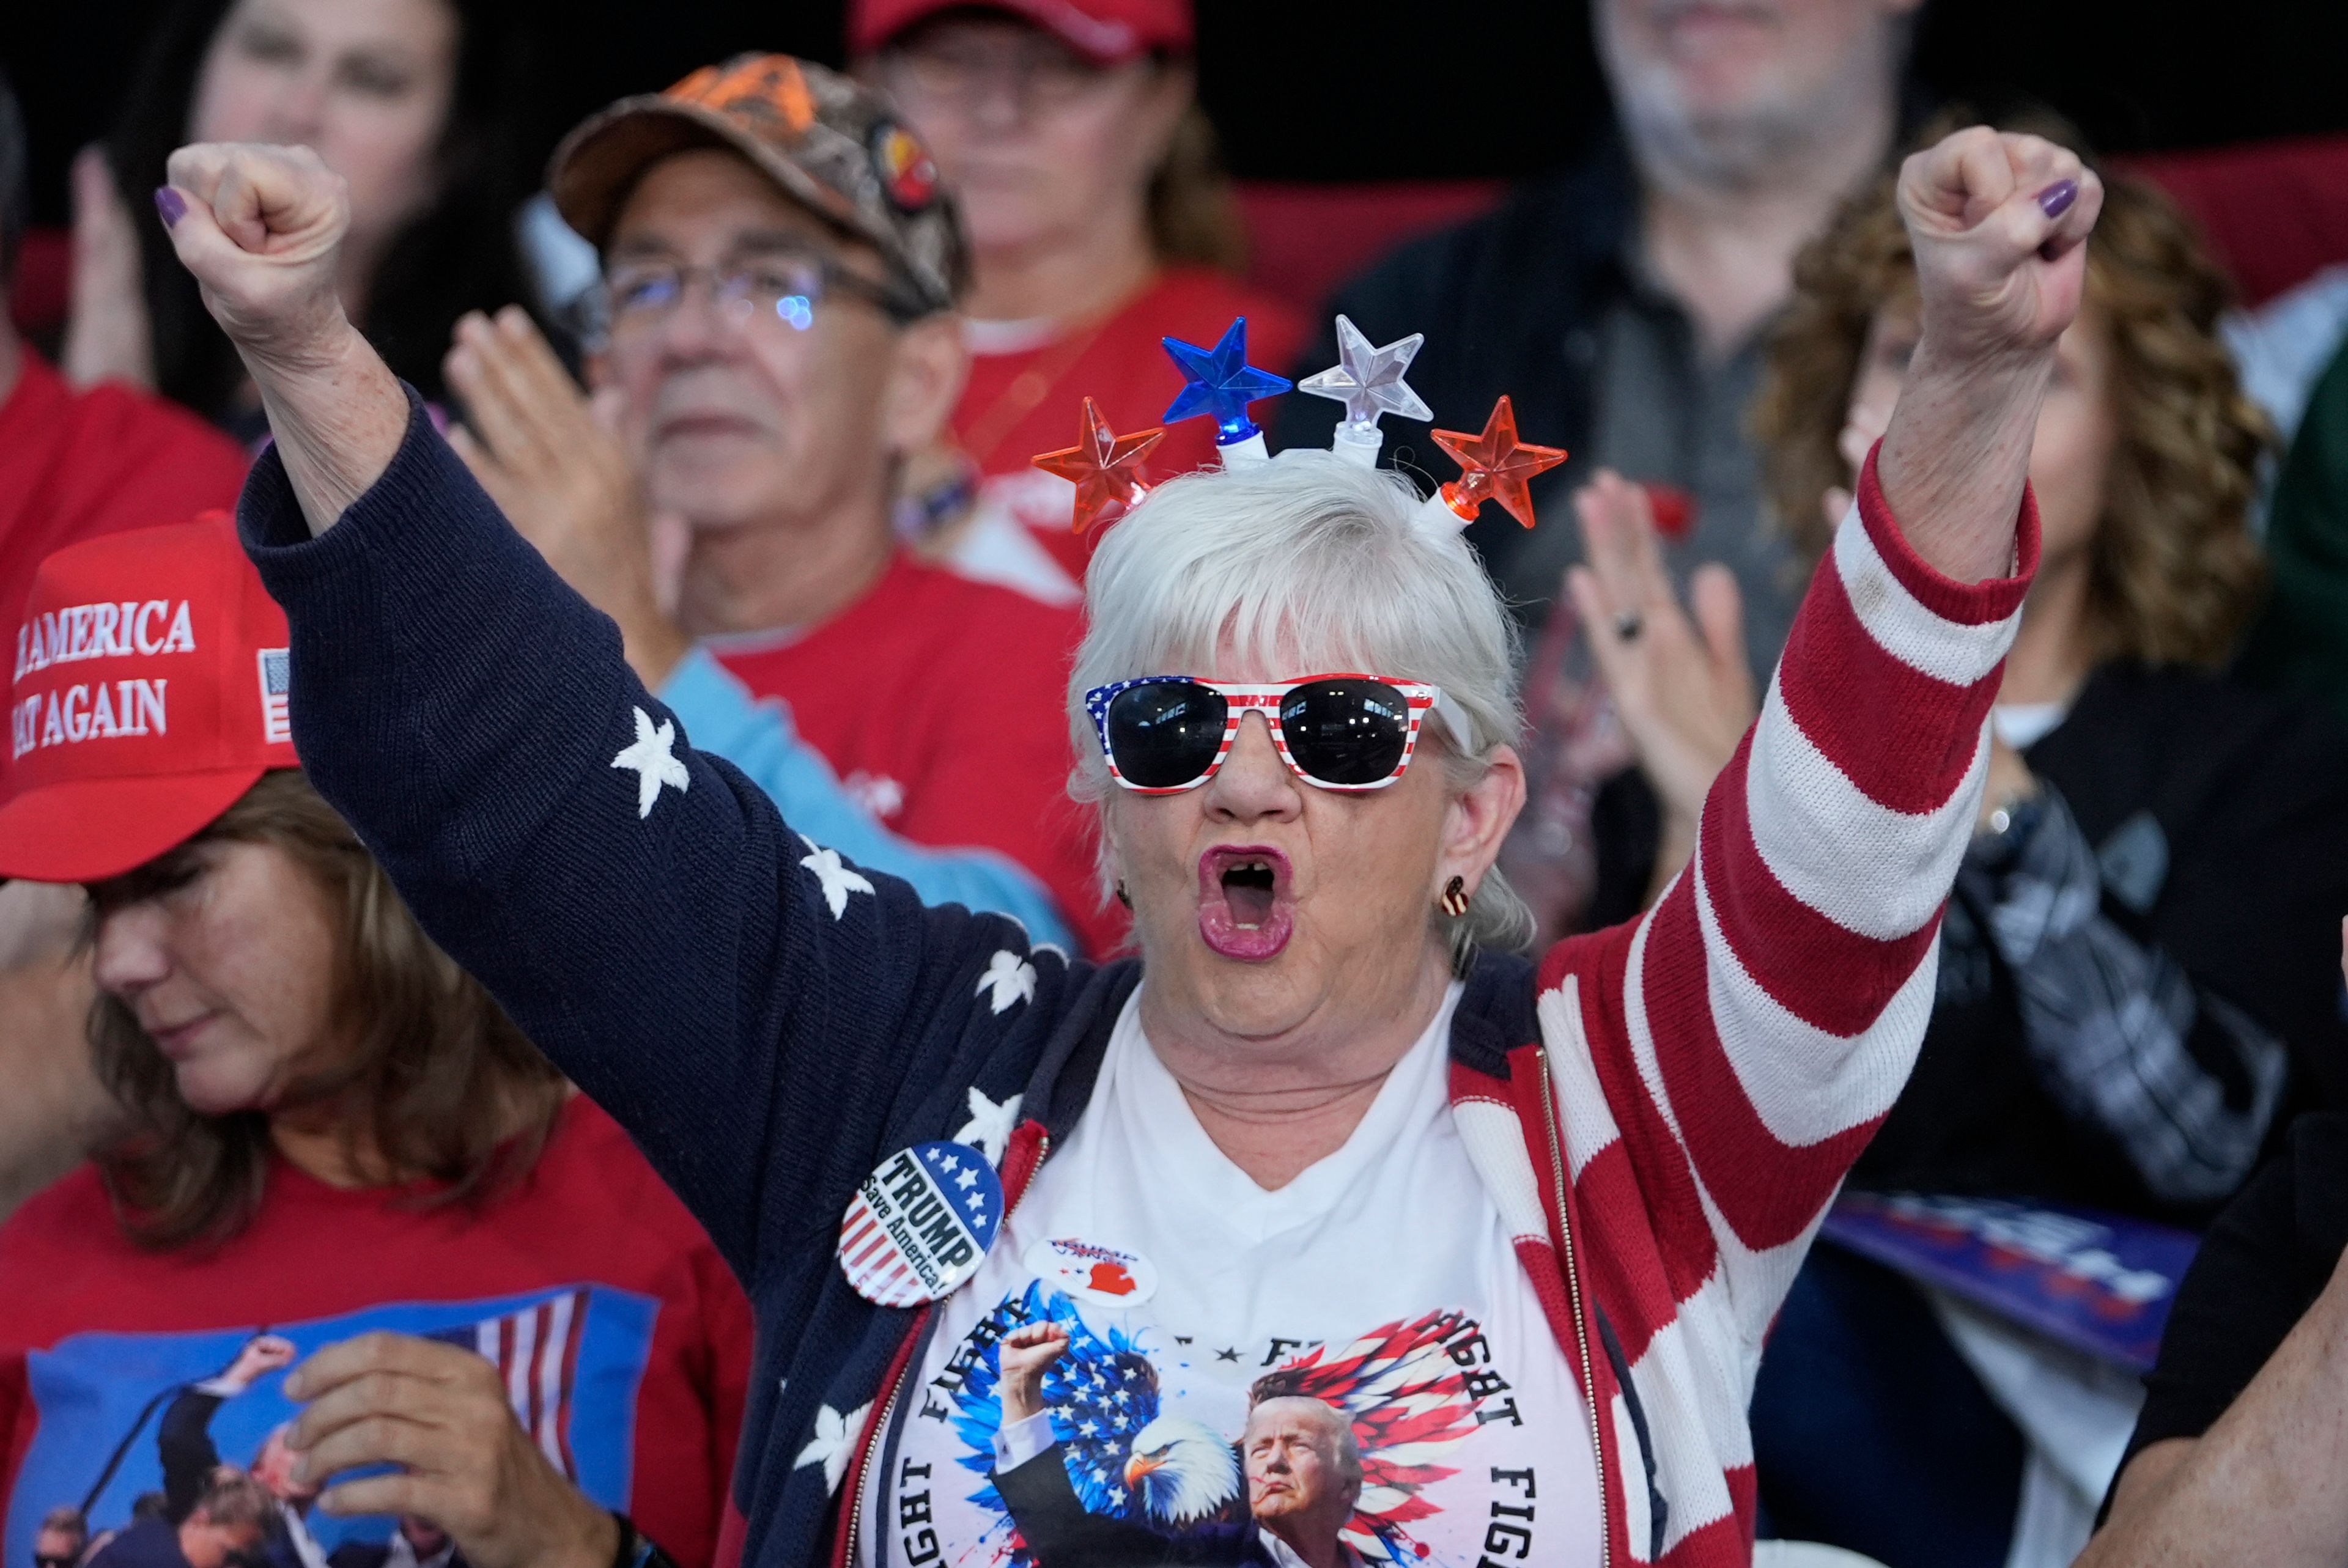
pixel 261 1354
pixel 1026 1355
pixel 1999 223
pixel 261 227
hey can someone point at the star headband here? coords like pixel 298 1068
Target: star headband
pixel 1106 468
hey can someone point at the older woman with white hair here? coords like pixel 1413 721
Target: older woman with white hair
pixel 1524 1227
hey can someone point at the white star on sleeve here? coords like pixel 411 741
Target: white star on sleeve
pixel 837 880
pixel 989 1127
pixel 1011 977
pixel 834 1441
pixel 653 764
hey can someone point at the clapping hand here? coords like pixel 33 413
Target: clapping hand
pixel 108 337
pixel 1681 685
pixel 549 457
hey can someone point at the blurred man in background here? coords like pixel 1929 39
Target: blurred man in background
pixel 1622 304
pixel 780 272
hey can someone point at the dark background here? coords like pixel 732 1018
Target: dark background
pixel 1326 90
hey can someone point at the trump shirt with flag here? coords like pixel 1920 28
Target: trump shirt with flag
pixel 621 1338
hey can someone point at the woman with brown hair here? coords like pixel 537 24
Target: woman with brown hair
pixel 333 1148
pixel 2133 983
pixel 1100 223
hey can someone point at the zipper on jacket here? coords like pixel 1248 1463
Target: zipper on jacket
pixel 877 1433
pixel 1573 1298
pixel 873 1435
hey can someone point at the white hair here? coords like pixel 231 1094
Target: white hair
pixel 1308 563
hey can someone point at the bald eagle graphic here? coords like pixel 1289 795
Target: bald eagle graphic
pixel 1130 1458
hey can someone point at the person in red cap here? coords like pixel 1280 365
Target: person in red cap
pixel 323 1126
pixel 73 464
pixel 1099 226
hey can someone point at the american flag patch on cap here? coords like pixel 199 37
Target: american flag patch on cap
pixel 276 691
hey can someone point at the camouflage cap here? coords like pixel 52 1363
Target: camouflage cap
pixel 828 140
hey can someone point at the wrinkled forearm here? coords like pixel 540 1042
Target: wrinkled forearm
pixel 2267 1484
pixel 337 416
pixel 1956 455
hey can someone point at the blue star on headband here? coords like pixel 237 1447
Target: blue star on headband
pixel 1220 382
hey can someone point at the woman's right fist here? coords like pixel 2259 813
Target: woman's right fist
pixel 260 228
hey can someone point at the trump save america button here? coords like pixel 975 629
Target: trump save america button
pixel 921 1225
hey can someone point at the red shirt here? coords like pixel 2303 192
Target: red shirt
pixel 75 465
pixel 1031 400
pixel 939 702
pixel 625 1340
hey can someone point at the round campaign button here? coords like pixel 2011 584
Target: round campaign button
pixel 921 1225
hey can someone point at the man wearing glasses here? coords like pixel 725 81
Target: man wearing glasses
pixel 773 333
pixel 60 1541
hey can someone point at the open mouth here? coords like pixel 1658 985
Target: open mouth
pixel 1244 909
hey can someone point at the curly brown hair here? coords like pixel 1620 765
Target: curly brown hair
pixel 2173 571
pixel 451 1093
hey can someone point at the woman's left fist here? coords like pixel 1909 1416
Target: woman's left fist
pixel 1999 223
pixel 260 228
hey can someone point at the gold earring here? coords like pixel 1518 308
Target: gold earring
pixel 1454 901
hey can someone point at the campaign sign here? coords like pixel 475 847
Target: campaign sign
pixel 920 1223
pixel 2096 1282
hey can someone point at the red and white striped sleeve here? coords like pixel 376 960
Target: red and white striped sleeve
pixel 1776 996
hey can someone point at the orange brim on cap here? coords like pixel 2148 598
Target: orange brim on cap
pixel 89 829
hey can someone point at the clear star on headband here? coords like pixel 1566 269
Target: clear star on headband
pixel 1368 381
pixel 1494 465
pixel 1106 468
pixel 1220 382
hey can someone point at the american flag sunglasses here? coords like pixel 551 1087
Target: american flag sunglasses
pixel 1162 734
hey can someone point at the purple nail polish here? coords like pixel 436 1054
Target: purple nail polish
pixel 171 204
pixel 2056 199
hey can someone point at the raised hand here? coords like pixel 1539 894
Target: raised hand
pixel 1999 225
pixel 1026 1355
pixel 108 337
pixel 261 1354
pixel 550 460
pixel 261 229
pixel 1681 686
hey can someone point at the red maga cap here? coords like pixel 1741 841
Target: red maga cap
pixel 149 694
pixel 1107 31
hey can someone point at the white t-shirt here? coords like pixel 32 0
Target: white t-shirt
pixel 1381 1280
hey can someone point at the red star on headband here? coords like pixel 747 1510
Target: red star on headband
pixel 1495 464
pixel 1104 468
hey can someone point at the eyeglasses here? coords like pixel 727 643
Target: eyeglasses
pixel 1165 733
pixel 1038 75
pixel 54 1559
pixel 785 286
